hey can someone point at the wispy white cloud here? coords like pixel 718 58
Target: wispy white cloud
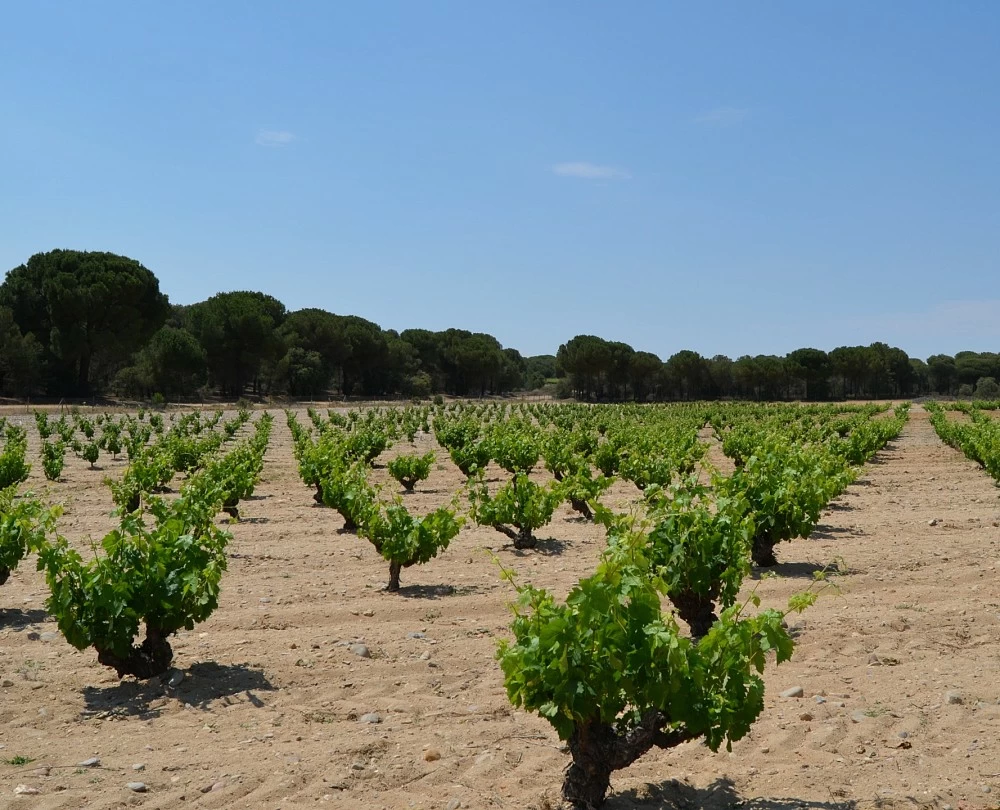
pixel 274 137
pixel 590 171
pixel 723 116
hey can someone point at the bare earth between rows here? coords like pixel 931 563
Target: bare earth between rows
pixel 900 669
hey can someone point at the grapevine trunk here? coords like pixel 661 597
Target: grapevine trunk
pixel 4 575
pixel 598 750
pixel 394 570
pixel 524 538
pixel 148 660
pixel 698 610
pixel 763 551
pixel 582 507
pixel 232 509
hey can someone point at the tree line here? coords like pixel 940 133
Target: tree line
pixel 84 324
pixel 605 370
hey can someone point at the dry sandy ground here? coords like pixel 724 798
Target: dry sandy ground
pixel 269 712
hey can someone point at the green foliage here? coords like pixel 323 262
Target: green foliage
pixel 13 468
pixel 42 423
pixel 111 437
pixel 91 311
pixel 471 458
pixel 344 487
pixel 366 443
pixel 238 332
pixel 165 575
pixel 405 540
pixel 236 474
pixel 607 458
pixel 24 522
pixel 53 459
pixel 699 546
pixel 979 439
pixel 787 486
pixel 409 469
pixel 517 509
pixel 582 489
pixel 172 363
pixel 85 426
pixel 91 452
pixel 612 674
pixel 515 446
pixel 149 470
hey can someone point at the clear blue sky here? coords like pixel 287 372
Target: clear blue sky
pixel 727 177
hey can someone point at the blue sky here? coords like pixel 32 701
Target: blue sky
pixel 727 177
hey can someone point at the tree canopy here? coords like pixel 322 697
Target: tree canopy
pixel 75 323
pixel 89 311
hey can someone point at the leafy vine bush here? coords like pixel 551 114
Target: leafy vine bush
pixel 13 468
pixel 149 470
pixel 864 440
pixel 42 423
pixel 344 487
pixel 787 487
pixel 66 430
pixel 565 454
pixel 91 452
pixel 466 445
pixel 165 576
pixel 515 446
pixel 607 457
pixel 473 457
pixel 409 469
pixel 517 509
pixel 53 459
pixel 581 488
pixel 236 474
pixel 699 545
pixel 978 439
pixel 613 675
pixel 24 522
pixel 366 443
pixel 405 540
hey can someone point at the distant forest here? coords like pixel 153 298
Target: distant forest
pixel 88 324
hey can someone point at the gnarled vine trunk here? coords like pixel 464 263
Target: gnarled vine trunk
pixel 394 570
pixel 763 550
pixel 523 538
pixel 582 507
pixel 598 750
pixel 231 508
pixel 4 575
pixel 698 610
pixel 149 659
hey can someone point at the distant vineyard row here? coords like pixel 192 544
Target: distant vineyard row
pixel 610 668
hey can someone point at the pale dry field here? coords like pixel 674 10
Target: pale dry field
pixel 900 670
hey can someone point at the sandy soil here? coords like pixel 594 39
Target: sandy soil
pixel 900 670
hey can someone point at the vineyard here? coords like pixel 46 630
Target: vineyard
pixel 501 605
